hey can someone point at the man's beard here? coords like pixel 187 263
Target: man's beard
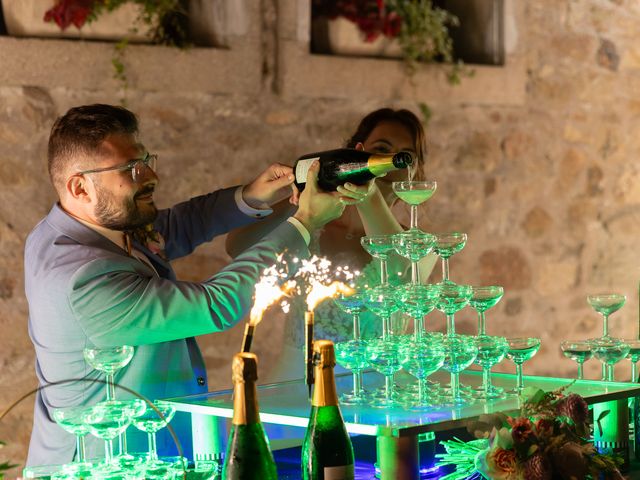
pixel 127 215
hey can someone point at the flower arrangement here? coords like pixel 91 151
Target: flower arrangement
pixel 164 18
pixel 422 28
pixel 548 441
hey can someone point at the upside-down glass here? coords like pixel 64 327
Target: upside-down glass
pixel 482 299
pixel 606 304
pixel 451 299
pixel 109 361
pixel 414 193
pixel 579 351
pixel 491 351
pixel 520 350
pixel 413 245
pixel 446 245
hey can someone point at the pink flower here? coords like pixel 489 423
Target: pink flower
pixel 498 464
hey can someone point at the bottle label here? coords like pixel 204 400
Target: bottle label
pixel 344 472
pixel 302 168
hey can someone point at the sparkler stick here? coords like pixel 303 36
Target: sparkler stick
pixel 308 349
pixel 248 337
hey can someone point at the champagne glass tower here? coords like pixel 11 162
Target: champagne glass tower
pixel 414 193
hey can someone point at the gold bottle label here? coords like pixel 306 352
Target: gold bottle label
pixel 245 394
pixel 324 391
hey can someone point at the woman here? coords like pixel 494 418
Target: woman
pixel 369 212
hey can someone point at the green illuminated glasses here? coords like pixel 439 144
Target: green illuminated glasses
pixel 135 166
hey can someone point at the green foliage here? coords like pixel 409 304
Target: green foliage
pixel 4 466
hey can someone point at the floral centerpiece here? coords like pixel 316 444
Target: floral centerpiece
pixel 548 441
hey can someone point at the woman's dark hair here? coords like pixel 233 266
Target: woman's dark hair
pixel 403 117
pixel 81 131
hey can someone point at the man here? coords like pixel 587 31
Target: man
pixel 93 280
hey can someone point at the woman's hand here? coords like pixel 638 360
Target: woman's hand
pixel 351 194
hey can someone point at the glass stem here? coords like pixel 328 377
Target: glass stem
pixel 610 374
pixel 520 380
pixel 605 325
pixel 580 371
pixel 384 276
pixel 455 386
pixel 481 325
pixel 356 326
pixel 604 371
pixel 357 384
pixel 122 443
pixel 386 330
pixel 108 452
pixel 415 273
pixel 80 448
pixel 486 380
pixel 418 328
pixel 153 450
pixel 634 371
pixel 445 269
pixel 111 391
pixel 451 324
pixel 388 382
pixel 414 217
pixel 422 391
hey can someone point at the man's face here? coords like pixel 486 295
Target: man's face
pixel 121 203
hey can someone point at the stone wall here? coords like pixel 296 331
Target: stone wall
pixel 536 160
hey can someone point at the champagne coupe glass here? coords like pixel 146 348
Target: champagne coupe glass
pixel 448 244
pixel 634 356
pixel 384 357
pixel 72 419
pixel 379 246
pixel 451 299
pixel 382 301
pixel 151 422
pixel 417 301
pixel 352 354
pixel 460 352
pixel 414 193
pixel 482 299
pixel 421 357
pixel 491 351
pixel 579 351
pixel 109 361
pixel 413 245
pixel 605 304
pixel 107 421
pixel 520 350
pixel 136 408
pixel 609 351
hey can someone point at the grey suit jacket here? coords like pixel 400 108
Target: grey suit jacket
pixel 84 291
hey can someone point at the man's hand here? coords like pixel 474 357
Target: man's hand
pixel 270 187
pixel 316 207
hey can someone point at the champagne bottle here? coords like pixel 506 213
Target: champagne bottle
pixel 348 165
pixel 248 456
pixel 327 453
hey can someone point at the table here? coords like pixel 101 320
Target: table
pixel 397 430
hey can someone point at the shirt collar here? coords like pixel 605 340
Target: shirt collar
pixel 116 236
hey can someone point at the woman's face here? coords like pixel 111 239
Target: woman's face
pixel 391 137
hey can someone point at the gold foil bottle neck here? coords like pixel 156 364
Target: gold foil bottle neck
pixel 324 353
pixel 244 367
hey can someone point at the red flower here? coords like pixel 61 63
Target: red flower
pixel 574 407
pixel 67 12
pixel 544 427
pixel 521 429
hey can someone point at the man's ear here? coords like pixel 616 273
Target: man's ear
pixel 79 189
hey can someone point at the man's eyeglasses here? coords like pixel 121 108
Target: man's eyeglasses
pixel 135 166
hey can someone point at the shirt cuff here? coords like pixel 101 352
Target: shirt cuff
pixel 306 236
pixel 246 209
